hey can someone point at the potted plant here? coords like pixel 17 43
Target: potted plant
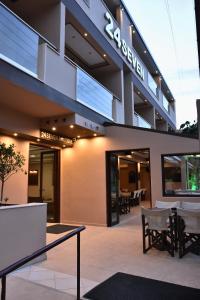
pixel 10 163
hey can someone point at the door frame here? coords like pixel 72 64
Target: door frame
pixel 57 181
pixel 108 182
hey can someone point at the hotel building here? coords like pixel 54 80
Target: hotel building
pixel 83 99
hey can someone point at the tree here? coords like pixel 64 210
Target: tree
pixel 10 163
pixel 190 129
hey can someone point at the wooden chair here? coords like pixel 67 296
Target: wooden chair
pixel 188 225
pixel 157 225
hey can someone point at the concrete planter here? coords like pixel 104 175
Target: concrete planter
pixel 22 231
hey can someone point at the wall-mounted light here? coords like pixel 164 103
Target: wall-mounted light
pixel 78 136
pixel 38 140
pixel 85 34
pixel 15 134
pixel 145 51
pixel 53 128
pixel 71 126
pixel 104 55
pixel 94 134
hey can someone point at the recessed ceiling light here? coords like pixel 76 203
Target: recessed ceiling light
pixel 85 34
pixel 71 126
pixel 94 134
pixel 15 134
pixel 53 128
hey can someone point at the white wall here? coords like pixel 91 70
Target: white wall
pixel 83 173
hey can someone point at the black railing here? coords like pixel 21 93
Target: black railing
pixel 39 252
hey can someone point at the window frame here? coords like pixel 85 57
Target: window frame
pixel 163 179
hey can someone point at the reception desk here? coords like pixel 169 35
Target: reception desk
pixel 22 231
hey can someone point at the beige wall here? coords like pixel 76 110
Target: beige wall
pixel 83 174
pixel 18 122
pixel 16 188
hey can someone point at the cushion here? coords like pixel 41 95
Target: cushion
pixel 190 205
pixel 165 204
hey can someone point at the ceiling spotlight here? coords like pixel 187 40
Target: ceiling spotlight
pixel 71 126
pixel 15 134
pixel 53 128
pixel 85 34
pixel 94 134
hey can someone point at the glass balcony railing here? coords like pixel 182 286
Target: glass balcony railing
pixel 152 85
pixel 140 122
pixel 93 95
pixel 18 43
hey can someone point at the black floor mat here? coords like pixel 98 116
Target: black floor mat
pixel 123 286
pixel 60 228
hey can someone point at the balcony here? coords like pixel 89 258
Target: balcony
pixel 19 42
pixel 93 95
pixel 140 122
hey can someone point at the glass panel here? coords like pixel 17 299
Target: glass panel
pixel 181 174
pixel 114 190
pixel 140 122
pixel 165 103
pixel 48 183
pixel 152 84
pixel 18 42
pixel 93 95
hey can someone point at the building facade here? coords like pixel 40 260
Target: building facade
pixel 70 71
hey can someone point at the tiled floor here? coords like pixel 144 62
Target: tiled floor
pixel 105 251
pixel 56 280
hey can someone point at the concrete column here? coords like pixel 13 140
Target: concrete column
pixel 128 99
pixel 62 29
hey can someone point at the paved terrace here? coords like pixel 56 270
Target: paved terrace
pixel 104 251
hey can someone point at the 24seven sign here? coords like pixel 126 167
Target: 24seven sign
pixel 115 34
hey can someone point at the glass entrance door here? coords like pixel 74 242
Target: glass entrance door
pixel 112 189
pixel 44 180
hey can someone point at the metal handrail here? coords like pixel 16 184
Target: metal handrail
pixel 25 260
